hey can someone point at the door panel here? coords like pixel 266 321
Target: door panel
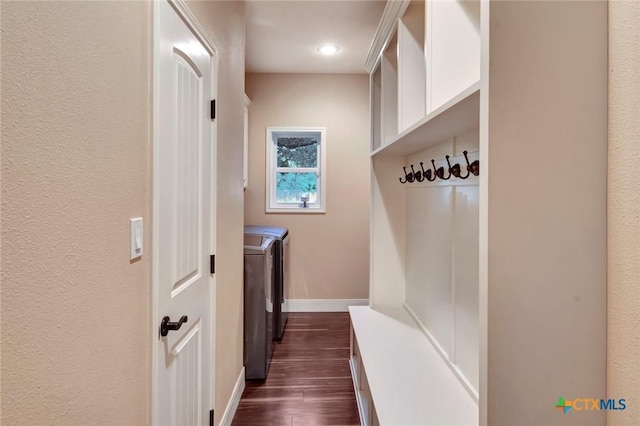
pixel 183 221
pixel 187 219
pixel 186 377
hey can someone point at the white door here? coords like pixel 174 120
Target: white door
pixel 183 173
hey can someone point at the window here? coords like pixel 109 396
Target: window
pixel 295 169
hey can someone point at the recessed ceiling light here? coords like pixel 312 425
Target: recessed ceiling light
pixel 328 49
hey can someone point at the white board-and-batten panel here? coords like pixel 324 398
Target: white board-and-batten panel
pixel 442 255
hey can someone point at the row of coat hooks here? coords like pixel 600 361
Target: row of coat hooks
pixel 439 172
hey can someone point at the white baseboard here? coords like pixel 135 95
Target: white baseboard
pixel 232 406
pixel 322 305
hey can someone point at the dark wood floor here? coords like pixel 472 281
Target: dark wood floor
pixel 309 381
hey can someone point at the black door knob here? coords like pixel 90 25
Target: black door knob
pixel 166 325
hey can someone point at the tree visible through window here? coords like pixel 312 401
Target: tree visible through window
pixel 295 170
pixel 295 153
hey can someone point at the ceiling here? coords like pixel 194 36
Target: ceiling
pixel 282 36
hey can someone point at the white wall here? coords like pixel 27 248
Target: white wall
pixel 329 252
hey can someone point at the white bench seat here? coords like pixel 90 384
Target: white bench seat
pixel 404 381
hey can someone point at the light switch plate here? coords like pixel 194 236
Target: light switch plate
pixel 135 238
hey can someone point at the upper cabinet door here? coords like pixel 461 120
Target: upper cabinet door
pixel 245 176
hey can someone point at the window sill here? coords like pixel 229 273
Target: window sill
pixel 298 210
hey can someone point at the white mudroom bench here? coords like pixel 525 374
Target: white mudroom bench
pixel 399 377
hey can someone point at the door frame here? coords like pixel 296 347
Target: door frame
pixel 182 10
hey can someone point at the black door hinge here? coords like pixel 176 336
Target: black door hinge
pixel 211 418
pixel 212 264
pixel 213 109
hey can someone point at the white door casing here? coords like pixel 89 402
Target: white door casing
pixel 183 218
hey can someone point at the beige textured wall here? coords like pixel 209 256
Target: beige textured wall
pixel 224 21
pixel 75 167
pixel 623 338
pixel 543 229
pixel 76 164
pixel 329 252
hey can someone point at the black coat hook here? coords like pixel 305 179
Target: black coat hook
pixel 408 177
pixel 418 175
pixel 473 168
pixel 428 172
pixel 440 172
pixel 453 170
pixel 468 172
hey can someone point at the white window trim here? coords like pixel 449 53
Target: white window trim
pixel 271 170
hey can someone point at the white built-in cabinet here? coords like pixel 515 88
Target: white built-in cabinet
pixel 411 66
pixel 487 294
pixel 245 167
